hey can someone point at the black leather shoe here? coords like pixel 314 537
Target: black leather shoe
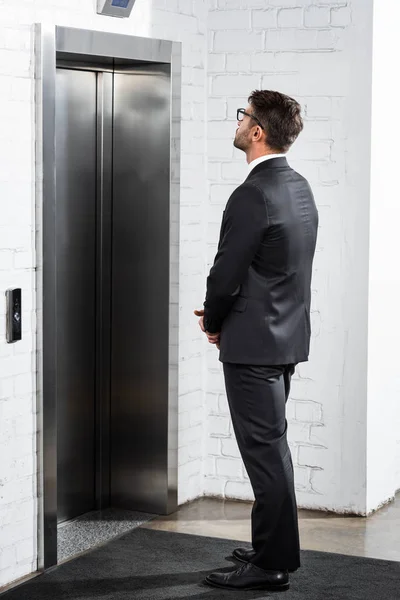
pixel 250 577
pixel 245 555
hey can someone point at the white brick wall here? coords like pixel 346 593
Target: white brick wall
pixel 183 21
pixel 310 50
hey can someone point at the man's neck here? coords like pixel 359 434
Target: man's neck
pixel 253 154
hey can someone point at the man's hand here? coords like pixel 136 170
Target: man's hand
pixel 213 338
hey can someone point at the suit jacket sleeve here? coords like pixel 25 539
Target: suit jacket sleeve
pixel 244 225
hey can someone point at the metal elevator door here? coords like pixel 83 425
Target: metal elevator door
pixel 112 289
pixel 76 289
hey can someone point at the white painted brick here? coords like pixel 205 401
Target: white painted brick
pixel 16 532
pixel 285 83
pixel 212 403
pixel 214 486
pixel 234 103
pixel 193 129
pixel 13 62
pixel 214 172
pixel 198 111
pixel 216 63
pixel 219 194
pixel 228 19
pixel 317 130
pixel 7 557
pixel 264 19
pixel 191 468
pixel 212 238
pixel 194 450
pixel 328 39
pixel 24 384
pixel 216 108
pixel 290 17
pixel 318 481
pixel 239 490
pixel 183 420
pixel 301 39
pixel 290 3
pixel 187 24
pixel 315 150
pixel 214 446
pixel 302 478
pixel 191 434
pixel 240 41
pixel 25 550
pixel 6 387
pixel 263 61
pixel 233 171
pixel 14 39
pixel 331 173
pixel 225 85
pixel 221 129
pixel 183 455
pixel 219 149
pixel 341 17
pixel 299 432
pixel 290 410
pixel 230 448
pixel 218 425
pixel 318 107
pixel 238 63
pixel 14 573
pixel 16 237
pixel 317 16
pixel 308 411
pixel 311 456
pixel 24 426
pixel 196 416
pixel 228 467
pixel 317 434
pixel 229 4
pixel 209 467
pixel 185 7
pixel 6 260
pixel 223 405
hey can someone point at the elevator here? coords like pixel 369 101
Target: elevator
pixel 108 276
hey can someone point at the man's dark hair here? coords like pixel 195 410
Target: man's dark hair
pixel 280 117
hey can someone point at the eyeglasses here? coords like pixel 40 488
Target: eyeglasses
pixel 240 114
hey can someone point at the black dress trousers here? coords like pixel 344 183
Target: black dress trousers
pixel 257 398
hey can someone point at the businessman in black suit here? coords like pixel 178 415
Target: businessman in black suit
pixel 257 312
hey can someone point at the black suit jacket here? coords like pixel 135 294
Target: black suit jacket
pixel 259 287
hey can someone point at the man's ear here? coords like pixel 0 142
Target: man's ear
pixel 257 133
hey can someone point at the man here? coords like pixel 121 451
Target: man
pixel 257 312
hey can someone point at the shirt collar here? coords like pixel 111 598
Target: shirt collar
pixel 261 159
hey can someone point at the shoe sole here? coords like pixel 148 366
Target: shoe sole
pixel 270 588
pixel 246 561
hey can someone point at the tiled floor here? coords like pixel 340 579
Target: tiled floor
pixel 377 536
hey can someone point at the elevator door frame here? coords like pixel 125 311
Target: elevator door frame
pixel 52 45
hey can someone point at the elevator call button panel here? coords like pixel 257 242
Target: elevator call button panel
pixel 115 8
pixel 14 315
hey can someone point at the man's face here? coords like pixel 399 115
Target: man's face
pixel 242 139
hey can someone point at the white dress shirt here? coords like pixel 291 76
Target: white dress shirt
pixel 261 159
